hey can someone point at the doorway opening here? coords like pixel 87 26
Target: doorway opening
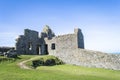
pixel 38 49
pixel 46 49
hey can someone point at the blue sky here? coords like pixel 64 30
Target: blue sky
pixel 98 19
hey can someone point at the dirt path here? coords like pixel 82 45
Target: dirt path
pixel 22 64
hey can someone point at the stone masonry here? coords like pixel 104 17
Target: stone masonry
pixel 47 42
pixel 89 58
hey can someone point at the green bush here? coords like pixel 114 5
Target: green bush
pixel 46 61
pixel 39 62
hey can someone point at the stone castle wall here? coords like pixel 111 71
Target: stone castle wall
pixel 68 41
pixel 49 43
pixel 90 58
pixel 64 42
pixel 26 44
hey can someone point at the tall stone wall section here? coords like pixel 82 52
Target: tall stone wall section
pixel 62 43
pixel 20 45
pixel 49 43
pixel 90 58
pixel 24 42
pixel 32 40
pixel 68 41
pixel 80 38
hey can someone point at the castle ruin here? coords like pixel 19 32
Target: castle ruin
pixel 48 43
pixel 69 48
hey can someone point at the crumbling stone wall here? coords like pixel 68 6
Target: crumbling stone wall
pixel 64 42
pixel 47 33
pixel 48 43
pixel 80 38
pixel 90 58
pixel 68 41
pixel 27 43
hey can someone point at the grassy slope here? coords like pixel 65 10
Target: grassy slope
pixel 10 71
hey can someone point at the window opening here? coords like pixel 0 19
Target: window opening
pixel 53 46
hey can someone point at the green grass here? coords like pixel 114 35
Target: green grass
pixel 11 71
pixel 6 60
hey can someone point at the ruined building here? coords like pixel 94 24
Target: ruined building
pixel 69 48
pixel 47 42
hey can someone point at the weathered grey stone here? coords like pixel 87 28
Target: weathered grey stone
pixel 47 43
pixel 90 58
pixel 28 43
pixel 47 32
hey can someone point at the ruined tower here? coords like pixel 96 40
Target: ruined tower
pixel 47 32
pixel 80 38
pixel 27 43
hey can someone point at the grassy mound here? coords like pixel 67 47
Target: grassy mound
pixel 46 61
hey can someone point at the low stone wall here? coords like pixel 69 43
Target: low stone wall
pixel 89 58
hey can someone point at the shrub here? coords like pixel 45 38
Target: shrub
pixel 50 62
pixel 39 62
pixel 46 61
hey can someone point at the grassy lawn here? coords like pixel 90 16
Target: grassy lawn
pixel 11 71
